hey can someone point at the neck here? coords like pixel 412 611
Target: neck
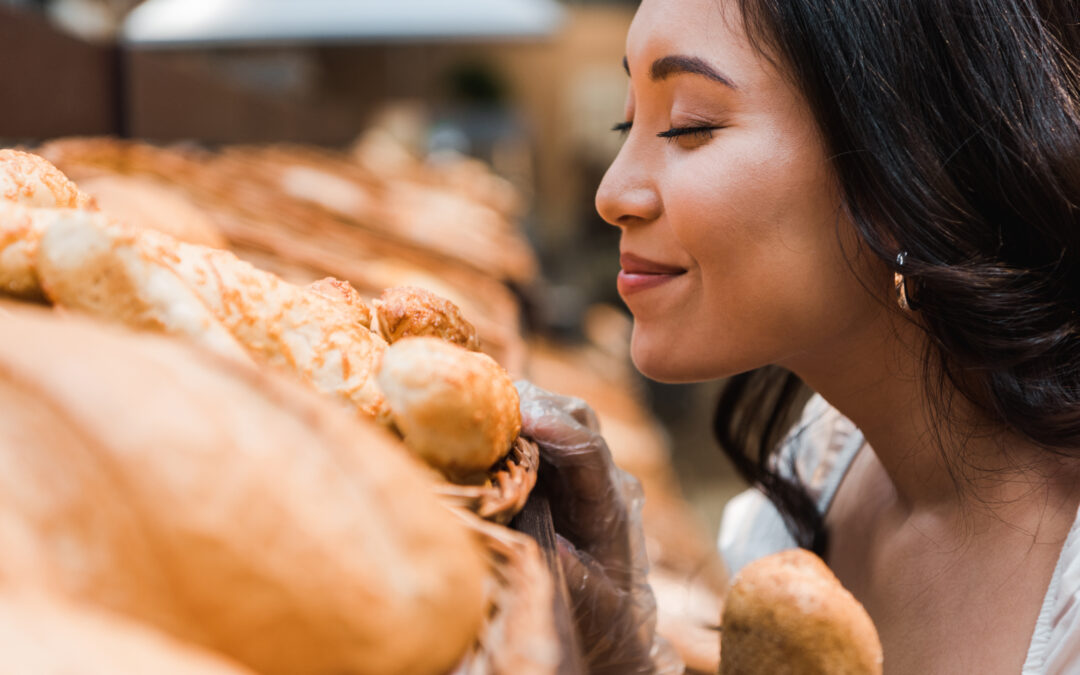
pixel 934 459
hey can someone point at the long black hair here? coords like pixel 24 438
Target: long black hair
pixel 953 127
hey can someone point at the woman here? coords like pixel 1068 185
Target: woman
pixel 882 198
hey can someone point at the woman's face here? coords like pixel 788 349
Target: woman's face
pixel 733 237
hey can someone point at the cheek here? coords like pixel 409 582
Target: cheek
pixel 771 277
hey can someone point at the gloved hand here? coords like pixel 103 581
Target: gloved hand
pixel 596 509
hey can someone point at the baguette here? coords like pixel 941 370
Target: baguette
pixel 86 263
pixel 223 505
pixel 40 636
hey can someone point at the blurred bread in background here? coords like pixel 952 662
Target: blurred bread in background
pixel 144 202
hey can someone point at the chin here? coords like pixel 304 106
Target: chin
pixel 664 361
pixel 675 358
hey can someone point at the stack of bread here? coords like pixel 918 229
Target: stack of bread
pixel 305 213
pixel 204 502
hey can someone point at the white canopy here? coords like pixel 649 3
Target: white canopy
pixel 183 23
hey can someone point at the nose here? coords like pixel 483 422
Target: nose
pixel 627 195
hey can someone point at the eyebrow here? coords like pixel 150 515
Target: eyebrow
pixel 676 64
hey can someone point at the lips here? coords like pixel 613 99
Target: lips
pixel 639 273
pixel 632 264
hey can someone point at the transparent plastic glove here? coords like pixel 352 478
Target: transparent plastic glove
pixel 596 509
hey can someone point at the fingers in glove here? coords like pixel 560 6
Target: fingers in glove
pixel 611 627
pixel 579 477
pixel 551 418
pixel 590 513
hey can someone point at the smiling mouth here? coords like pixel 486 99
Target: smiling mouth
pixel 639 274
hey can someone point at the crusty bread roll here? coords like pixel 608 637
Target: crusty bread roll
pixel 407 311
pixel 343 293
pixel 787 614
pixel 284 325
pixel 39 636
pixel 455 408
pixel 224 505
pixel 30 180
pixel 20 233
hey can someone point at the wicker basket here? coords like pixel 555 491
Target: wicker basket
pixel 509 482
pixel 519 636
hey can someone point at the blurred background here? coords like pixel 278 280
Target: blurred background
pixel 506 102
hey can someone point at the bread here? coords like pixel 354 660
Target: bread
pixel 146 279
pixel 455 408
pixel 20 233
pixel 149 280
pixel 223 505
pixel 41 636
pixel 407 311
pixel 86 263
pixel 343 293
pixel 788 614
pixel 29 180
pixel 147 203
pixel 283 325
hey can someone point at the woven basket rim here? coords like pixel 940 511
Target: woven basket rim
pixel 507 487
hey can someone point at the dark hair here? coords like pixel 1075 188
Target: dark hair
pixel 953 127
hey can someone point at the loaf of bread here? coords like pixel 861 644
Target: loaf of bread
pixel 343 293
pixel 20 233
pixel 86 263
pixel 787 614
pixel 455 408
pixel 150 204
pixel 283 325
pixel 149 280
pixel 40 636
pixel 458 409
pixel 407 311
pixel 30 180
pixel 224 505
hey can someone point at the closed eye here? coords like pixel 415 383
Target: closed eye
pixel 622 127
pixel 700 132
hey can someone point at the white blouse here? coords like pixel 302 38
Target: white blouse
pixel 820 449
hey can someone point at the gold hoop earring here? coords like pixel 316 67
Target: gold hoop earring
pixel 900 285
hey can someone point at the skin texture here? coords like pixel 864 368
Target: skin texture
pixel 771 272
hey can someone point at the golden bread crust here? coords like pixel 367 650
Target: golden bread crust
pixel 146 203
pixel 40 636
pixel 788 614
pixel 30 180
pixel 407 311
pixel 224 505
pixel 342 292
pixel 457 409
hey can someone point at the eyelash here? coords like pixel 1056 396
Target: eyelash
pixel 701 132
